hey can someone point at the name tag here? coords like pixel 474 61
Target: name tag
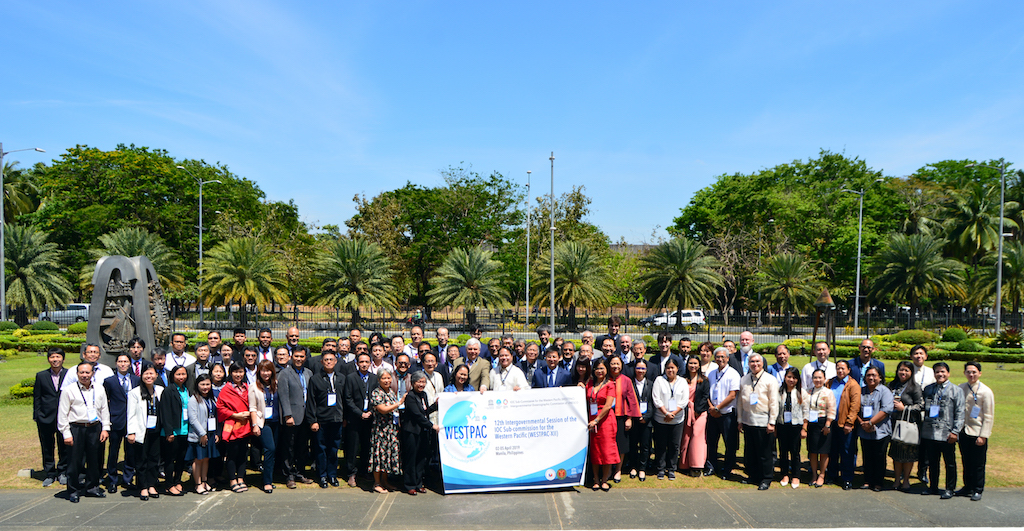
pixel 672 405
pixel 787 416
pixel 211 424
pixel 91 413
pixel 268 412
pixel 812 415
pixel 593 409
pixel 643 408
pixel 753 399
pixel 975 412
pixel 933 411
pixel 332 399
pixel 150 422
pixel 868 412
pixel 394 417
pixel 366 404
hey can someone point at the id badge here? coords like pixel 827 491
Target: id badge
pixel 211 424
pixel 593 410
pixel 643 408
pixel 150 422
pixel 366 404
pixel 91 413
pixel 975 412
pixel 869 411
pixel 268 412
pixel 933 411
pixel 332 399
pixel 394 417
pixel 753 399
pixel 672 405
pixel 787 417
pixel 812 416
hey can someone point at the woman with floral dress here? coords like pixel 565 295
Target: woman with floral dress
pixel 384 451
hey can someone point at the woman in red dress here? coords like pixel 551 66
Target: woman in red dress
pixel 626 408
pixel 600 401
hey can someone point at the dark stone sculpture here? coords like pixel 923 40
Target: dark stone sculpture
pixel 127 301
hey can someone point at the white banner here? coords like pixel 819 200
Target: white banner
pixel 513 440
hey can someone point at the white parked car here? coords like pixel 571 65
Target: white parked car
pixel 693 319
pixel 73 313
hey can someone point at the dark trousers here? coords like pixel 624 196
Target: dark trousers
pixel 235 458
pixel 174 459
pixel 789 449
pixel 48 438
pixel 357 446
pixel 666 445
pixel 757 453
pixel 86 449
pixel 114 439
pixel 267 442
pixel 415 453
pixel 328 441
pixel 843 457
pixel 147 460
pixel 874 460
pixel 722 427
pixel 295 440
pixel 945 450
pixel 639 446
pixel 974 458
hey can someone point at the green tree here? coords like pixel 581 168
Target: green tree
pixel 983 288
pixel 34 273
pixel 132 241
pixel 971 220
pixel 789 282
pixel 581 280
pixel 911 268
pixel 352 273
pixel 243 270
pixel 680 273
pixel 469 278
pixel 21 195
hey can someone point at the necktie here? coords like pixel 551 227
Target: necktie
pixel 551 379
pixel 138 371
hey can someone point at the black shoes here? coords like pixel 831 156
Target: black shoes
pixel 323 483
pixel 73 497
pixel 764 485
pixel 96 492
pixel 976 496
pixel 334 482
pixel 847 485
pixel 946 494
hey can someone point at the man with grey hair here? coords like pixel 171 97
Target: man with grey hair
pixel 587 338
pixel 91 354
pixel 544 335
pixel 479 371
pixel 625 349
pixel 724 385
pixel 758 409
pixel 740 359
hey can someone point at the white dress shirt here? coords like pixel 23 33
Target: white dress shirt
pixel 508 379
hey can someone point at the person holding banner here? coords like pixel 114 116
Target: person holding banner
pixel 417 428
pixel 626 409
pixel 506 376
pixel 602 425
pixel 384 452
pixel 640 434
pixel 670 396
pixel 460 380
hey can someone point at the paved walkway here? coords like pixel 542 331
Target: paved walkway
pixel 567 509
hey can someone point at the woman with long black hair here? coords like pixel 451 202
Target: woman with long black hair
pixel 143 431
pixel 174 428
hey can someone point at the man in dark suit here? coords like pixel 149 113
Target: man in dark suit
pixel 657 363
pixel 45 399
pixel 159 358
pixel 531 360
pixel 861 363
pixel 135 353
pixel 442 345
pixel 314 364
pixel 293 390
pixel 358 418
pixel 117 388
pixel 325 412
pixel 203 365
pixel 738 360
pixel 551 374
pixel 614 324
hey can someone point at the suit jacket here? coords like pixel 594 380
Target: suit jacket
pixel 117 399
pixel 701 397
pixel 143 364
pixel 415 419
pixel 736 362
pixel 45 399
pixel 170 409
pixel 289 391
pixel 138 410
pixel 856 368
pixel 849 403
pixel 319 389
pixel 525 367
pixel 315 364
pixel 645 398
pixel 357 393
pixel 654 365
pixel 563 378
pixel 191 370
pixel 480 374
pixel 442 369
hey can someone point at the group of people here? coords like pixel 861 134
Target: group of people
pixel 224 407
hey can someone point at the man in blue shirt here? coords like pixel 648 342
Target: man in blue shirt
pixel 862 362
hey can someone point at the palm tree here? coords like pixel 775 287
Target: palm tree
pixel 354 273
pixel 972 220
pixel 788 281
pixel 680 273
pixel 243 269
pixel 469 278
pixel 581 279
pixel 21 195
pixel 911 268
pixel 34 273
pixel 984 285
pixel 135 241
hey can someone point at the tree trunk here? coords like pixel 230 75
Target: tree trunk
pixel 572 317
pixel 356 319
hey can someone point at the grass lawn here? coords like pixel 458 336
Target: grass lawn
pixel 19 450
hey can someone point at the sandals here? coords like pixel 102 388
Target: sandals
pixel 238 488
pixel 596 487
pixel 379 489
pixel 606 487
pixel 269 489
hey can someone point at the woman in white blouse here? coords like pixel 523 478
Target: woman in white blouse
pixel 670 395
pixel 143 431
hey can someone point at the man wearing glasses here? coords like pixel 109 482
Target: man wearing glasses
pixel 861 363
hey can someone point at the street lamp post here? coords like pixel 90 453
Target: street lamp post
pixel 860 235
pixel 528 305
pixel 3 223
pixel 552 159
pixel 999 264
pixel 201 183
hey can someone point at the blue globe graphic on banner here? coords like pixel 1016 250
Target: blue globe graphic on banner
pixel 466 432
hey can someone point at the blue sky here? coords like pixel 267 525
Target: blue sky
pixel 643 102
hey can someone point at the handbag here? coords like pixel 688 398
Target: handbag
pixel 905 431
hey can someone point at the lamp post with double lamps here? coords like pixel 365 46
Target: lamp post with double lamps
pixel 3 222
pixel 201 183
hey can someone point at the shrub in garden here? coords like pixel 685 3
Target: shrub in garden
pixel 8 325
pixel 954 334
pixel 78 328
pixel 914 337
pixel 968 346
pixel 43 325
